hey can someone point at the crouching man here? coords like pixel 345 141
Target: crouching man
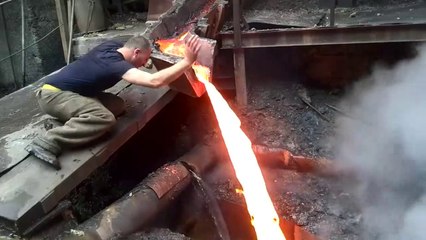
pixel 75 94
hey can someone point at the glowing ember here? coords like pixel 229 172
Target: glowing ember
pixel 175 46
pixel 263 215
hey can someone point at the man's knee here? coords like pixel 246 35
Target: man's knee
pixel 113 103
pixel 110 119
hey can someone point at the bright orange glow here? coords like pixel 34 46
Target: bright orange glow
pixel 202 72
pixel 264 218
pixel 175 46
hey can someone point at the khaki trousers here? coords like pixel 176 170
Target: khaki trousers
pixel 85 119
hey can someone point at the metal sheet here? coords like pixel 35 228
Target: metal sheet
pixel 188 82
pixel 328 36
pixel 166 178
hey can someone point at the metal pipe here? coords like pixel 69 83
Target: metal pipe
pixel 140 206
pixel 71 27
pixel 23 42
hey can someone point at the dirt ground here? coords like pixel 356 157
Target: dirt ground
pixel 277 117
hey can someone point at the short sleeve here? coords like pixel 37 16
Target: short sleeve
pixel 120 68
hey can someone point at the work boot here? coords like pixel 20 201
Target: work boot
pixel 50 123
pixel 43 154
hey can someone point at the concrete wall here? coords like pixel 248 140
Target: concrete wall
pixel 40 59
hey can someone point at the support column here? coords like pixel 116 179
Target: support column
pixel 239 57
pixel 61 12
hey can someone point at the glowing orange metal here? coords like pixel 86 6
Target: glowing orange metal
pixel 264 218
pixel 175 46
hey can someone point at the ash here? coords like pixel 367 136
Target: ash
pixel 277 117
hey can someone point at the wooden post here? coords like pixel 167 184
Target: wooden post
pixel 63 25
pixel 5 51
pixel 23 43
pixel 71 31
pixel 239 57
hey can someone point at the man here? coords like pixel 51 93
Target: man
pixel 75 94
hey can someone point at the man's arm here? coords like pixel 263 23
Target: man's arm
pixel 158 79
pixel 168 75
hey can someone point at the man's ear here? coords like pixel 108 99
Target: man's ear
pixel 137 51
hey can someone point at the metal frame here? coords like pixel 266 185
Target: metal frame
pixel 238 41
pixel 327 36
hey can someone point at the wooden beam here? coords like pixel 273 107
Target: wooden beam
pixel 8 76
pixel 30 190
pixel 240 76
pixel 239 57
pixel 63 25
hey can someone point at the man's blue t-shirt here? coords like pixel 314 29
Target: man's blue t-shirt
pixel 99 69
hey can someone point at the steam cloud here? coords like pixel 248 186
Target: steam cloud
pixel 386 146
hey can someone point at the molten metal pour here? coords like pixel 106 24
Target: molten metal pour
pixel 264 218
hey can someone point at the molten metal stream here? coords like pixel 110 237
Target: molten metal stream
pixel 264 218
pixel 263 215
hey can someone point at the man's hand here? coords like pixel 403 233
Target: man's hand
pixel 167 75
pixel 193 45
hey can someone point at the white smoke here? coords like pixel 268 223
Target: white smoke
pixel 385 144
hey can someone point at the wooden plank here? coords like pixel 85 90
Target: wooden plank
pixel 63 24
pixel 21 120
pixel 240 76
pixel 32 189
pixel 239 56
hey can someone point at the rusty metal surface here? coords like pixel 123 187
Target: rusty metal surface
pixel 188 82
pixel 215 21
pixel 309 13
pixel 157 7
pixel 205 155
pixel 178 19
pixel 328 36
pixel 166 178
pixel 152 195
pixel 181 17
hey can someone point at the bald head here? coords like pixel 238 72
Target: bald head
pixel 138 42
pixel 136 51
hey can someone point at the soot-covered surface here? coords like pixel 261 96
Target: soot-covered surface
pixel 277 117
pixel 307 13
